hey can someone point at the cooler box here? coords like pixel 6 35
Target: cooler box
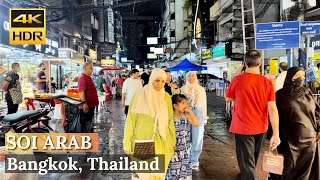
pixel 73 92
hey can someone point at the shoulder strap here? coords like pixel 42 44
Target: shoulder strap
pixel 154 127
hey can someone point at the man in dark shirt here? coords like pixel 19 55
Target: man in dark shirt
pixel 146 75
pixel 88 94
pixel 170 87
pixel 12 81
pixel 42 79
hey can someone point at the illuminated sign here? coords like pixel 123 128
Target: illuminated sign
pixel 108 62
pixel 206 54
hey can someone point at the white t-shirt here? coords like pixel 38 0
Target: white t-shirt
pixel 130 87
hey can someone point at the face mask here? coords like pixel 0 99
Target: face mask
pixel 19 69
pixel 299 82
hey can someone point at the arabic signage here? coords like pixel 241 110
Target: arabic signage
pixel 206 54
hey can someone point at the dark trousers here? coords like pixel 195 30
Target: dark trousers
pixel 126 110
pixel 12 108
pixel 248 150
pixel 86 120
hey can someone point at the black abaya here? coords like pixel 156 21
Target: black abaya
pixel 299 123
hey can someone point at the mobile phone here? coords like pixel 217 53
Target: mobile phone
pixel 244 67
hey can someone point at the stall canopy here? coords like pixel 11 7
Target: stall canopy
pixel 186 65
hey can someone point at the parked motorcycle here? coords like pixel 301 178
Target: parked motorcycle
pixel 22 122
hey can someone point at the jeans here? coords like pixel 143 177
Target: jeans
pixel 197 134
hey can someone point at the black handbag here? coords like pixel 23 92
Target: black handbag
pixel 145 149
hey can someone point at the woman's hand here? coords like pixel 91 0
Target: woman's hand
pixel 318 137
pixel 127 152
pixel 174 147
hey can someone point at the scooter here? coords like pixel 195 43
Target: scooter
pixel 21 123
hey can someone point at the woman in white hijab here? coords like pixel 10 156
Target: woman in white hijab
pixel 151 104
pixel 197 99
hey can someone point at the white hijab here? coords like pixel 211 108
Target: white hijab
pixel 192 89
pixel 152 103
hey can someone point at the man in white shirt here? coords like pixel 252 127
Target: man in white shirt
pixel 283 67
pixel 129 88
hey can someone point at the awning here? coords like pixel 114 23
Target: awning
pixel 186 65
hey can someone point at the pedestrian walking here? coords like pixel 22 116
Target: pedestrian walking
pixel 42 79
pixel 12 87
pixel 119 84
pixel 283 67
pixel 102 89
pixel 89 95
pixel 197 99
pixel 254 100
pixel 150 116
pixel 146 75
pixel 171 88
pixel 299 115
pixel 114 90
pixel 130 87
pixel 180 165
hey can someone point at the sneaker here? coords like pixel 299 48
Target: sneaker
pixel 195 167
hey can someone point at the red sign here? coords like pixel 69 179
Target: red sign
pixel 168 50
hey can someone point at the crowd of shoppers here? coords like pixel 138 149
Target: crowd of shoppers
pixel 178 116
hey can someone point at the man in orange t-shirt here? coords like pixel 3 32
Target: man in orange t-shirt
pixel 254 101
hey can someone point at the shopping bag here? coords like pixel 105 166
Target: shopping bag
pixel 74 122
pixel 272 162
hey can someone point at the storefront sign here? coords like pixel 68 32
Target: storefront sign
pixel 48 49
pixel 278 35
pixel 315 42
pixel 168 50
pixel 105 50
pixel 219 50
pixel 206 54
pixel 316 57
pixel 65 54
pixel 310 27
pixel 108 62
pixel 93 54
pixel 273 67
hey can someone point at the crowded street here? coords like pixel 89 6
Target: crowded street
pixel 218 161
pixel 159 90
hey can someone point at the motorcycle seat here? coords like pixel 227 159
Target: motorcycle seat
pixel 16 117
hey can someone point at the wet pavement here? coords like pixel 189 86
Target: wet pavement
pixel 217 161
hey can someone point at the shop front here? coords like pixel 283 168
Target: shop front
pixel 66 67
pixel 28 56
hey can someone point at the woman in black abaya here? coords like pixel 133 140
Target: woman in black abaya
pixel 299 122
